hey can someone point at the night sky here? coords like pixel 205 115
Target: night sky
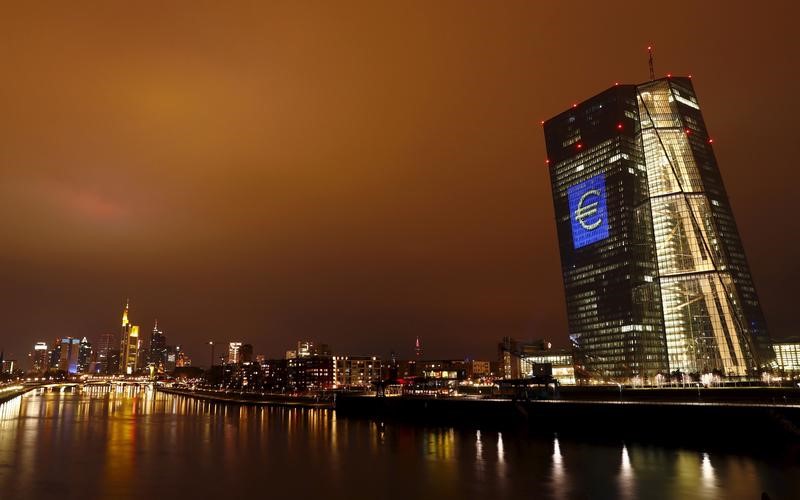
pixel 358 174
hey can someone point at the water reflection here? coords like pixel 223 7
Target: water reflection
pixel 139 444
pixel 500 450
pixel 626 479
pixel 707 472
pixel 558 478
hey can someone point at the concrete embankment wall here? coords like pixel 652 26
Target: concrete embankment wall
pixel 661 420
pixel 758 395
pixel 251 398
pixel 13 394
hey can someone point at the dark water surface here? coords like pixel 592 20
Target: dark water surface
pixel 99 443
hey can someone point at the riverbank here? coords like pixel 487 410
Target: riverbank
pixel 8 395
pixel 635 416
pixel 251 398
pixel 678 421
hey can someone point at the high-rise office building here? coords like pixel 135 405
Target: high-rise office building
pixel 54 354
pixel 129 345
pixel 307 348
pixel 69 354
pixel 39 358
pixel 84 356
pixel 107 354
pixel 246 353
pixel 654 270
pixel 157 353
pixel 234 352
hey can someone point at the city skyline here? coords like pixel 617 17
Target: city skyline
pixel 142 348
pixel 407 197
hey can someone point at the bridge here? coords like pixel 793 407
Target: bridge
pixel 70 385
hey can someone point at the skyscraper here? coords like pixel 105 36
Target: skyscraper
pixel 246 353
pixel 129 345
pixel 39 358
pixel 84 356
pixel 234 349
pixel 157 353
pixel 54 354
pixel 68 354
pixel 107 354
pixel 654 270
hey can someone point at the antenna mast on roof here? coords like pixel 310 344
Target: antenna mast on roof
pixel 652 71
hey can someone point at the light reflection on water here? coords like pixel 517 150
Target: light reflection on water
pixel 626 476
pixel 101 443
pixel 558 478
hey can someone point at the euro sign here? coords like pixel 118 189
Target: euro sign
pixel 588 210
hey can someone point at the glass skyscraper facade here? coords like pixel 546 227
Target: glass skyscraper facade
pixel 654 270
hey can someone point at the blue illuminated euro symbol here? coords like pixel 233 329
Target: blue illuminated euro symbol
pixel 587 210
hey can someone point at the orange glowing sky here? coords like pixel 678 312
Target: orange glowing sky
pixel 356 173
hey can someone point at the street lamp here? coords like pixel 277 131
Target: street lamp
pixel 211 343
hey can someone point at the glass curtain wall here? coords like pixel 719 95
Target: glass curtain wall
pixel 704 324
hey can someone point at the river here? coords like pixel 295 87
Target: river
pixel 135 443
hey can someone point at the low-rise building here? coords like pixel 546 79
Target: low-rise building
pixel 478 369
pixel 310 373
pixel 557 363
pixel 356 372
pixel 520 359
pixel 274 373
pixel 454 369
pixel 787 355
